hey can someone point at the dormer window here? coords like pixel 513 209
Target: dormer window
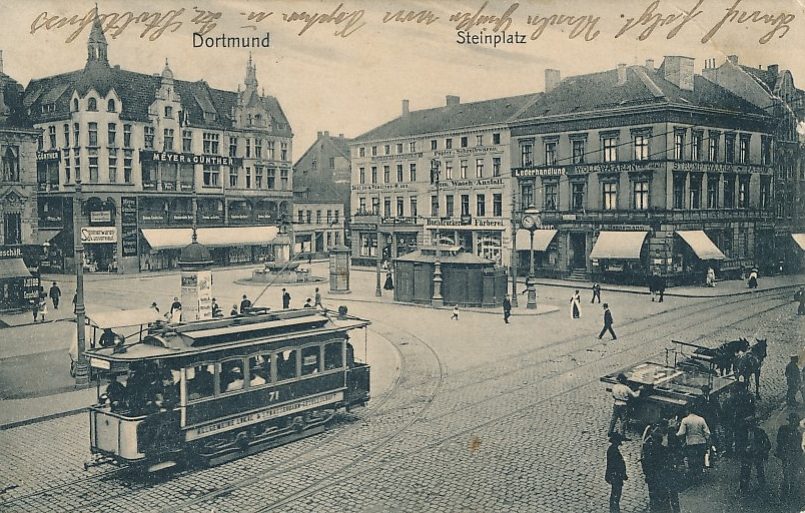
pixel 75 104
pixel 168 112
pixel 92 105
pixel 110 106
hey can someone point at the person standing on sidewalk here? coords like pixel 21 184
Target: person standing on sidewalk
pixel 793 380
pixel 596 293
pixel 789 451
pixel 621 393
pixel 608 322
pixel 616 472
pixel 55 295
pixel 507 309
pixel 697 435
pixel 754 451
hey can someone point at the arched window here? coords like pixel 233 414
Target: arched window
pixel 92 104
pixel 75 104
pixel 110 106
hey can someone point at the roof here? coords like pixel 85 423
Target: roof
pixel 12 99
pixel 643 87
pixel 137 92
pixel 315 189
pixel 449 256
pixel 448 118
pixel 764 76
pixel 123 318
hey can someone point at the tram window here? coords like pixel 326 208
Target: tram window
pixel 230 374
pixel 332 356
pixel 259 370
pixel 310 360
pixel 350 355
pixel 286 365
pixel 200 382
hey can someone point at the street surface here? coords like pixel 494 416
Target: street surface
pixel 467 416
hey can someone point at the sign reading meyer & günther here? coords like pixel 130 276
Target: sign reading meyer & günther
pixel 189 158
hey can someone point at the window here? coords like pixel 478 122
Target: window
pixel 300 214
pixel 111 134
pixel 400 207
pixel 610 195
pixel 434 205
pixel 743 149
pixel 412 205
pixel 695 191
pixel 284 179
pixel 479 168
pixel 12 228
pixel 550 153
pixel 495 166
pixel 361 151
pixel 765 192
pixel 249 150
pixel 640 195
pixel 318 217
pixel 387 207
pixel 433 144
pixel 149 137
pixel 211 175
pixel 465 204
pixel 112 168
pixel 386 174
pixel 479 140
pixel 210 143
pixel 729 148
pixel 609 146
pixel 463 169
pixel 270 149
pixel 712 190
pixel 40 143
pixel 66 135
pixel 362 175
pixel 766 150
pixel 11 164
pixel 76 135
pixel 448 170
pixel 110 106
pixel 271 178
pixel 578 151
pixel 729 191
pixel 187 141
pixel 233 146
pixel 374 151
pixel 448 205
pixel 368 244
pixel 497 205
pixel 258 177
pixel 464 142
pixel 331 162
pixel 679 145
pixel 412 172
pixel 127 159
pixel 386 149
pixel 551 191
pixel 52 135
pixel 93 134
pixel 75 104
pixel 93 165
pixel 92 105
pixel 400 178
pixel 399 148
pixel 696 145
pixel 480 205
pixel 168 139
pixel 526 195
pixel 712 146
pixel 67 167
pixel 284 151
pixel 308 217
pixel 77 164
pixel 448 143
pixel 233 177
pixel 577 196
pixel 679 190
pixel 310 360
pixel 743 191
pixel 412 146
pixel 641 150
pixel 374 174
pixel 496 138
pixel 526 154
pixel 286 364
pixel 127 136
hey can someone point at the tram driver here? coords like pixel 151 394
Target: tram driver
pixel 109 338
pixel 116 394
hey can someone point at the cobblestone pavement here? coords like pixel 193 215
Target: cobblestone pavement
pixel 480 419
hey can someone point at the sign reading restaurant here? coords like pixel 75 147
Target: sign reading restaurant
pixel 189 158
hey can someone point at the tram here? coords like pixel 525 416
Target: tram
pixel 211 391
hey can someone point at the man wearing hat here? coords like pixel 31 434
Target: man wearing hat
pixel 621 394
pixel 789 451
pixel 792 379
pixel 753 452
pixel 616 472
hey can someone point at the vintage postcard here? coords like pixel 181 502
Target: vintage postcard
pixel 402 256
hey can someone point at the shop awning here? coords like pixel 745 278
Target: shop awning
pixel 542 239
pixel 13 268
pixel 701 244
pixel 799 238
pixel 177 238
pixel 619 245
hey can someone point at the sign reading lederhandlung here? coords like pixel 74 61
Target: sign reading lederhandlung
pixel 128 214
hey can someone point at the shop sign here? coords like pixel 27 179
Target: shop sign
pixel 100 216
pixel 129 239
pixel 152 217
pixel 14 252
pixel 207 216
pixel 579 169
pixel 264 216
pixel 182 217
pixel 483 182
pixel 380 187
pixel 464 152
pixel 189 158
pixel 381 158
pixel 716 167
pixel 98 235
pixel 128 219
pixel 465 221
pixel 128 209
pixel 627 228
pixel 31 288
pixel 48 156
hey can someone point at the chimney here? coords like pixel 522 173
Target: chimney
pixel 679 71
pixel 340 136
pixel 650 64
pixel 774 69
pixel 621 74
pixel 733 59
pixel 405 108
pixel 552 79
pixel 326 133
pixel 452 100
pixel 319 134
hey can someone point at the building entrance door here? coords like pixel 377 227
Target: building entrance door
pixel 578 250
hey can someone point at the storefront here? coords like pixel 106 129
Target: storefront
pixel 100 248
pixel 18 288
pixel 546 252
pixel 484 238
pixel 620 257
pixel 696 254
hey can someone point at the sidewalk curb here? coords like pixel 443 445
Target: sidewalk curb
pixel 674 294
pixel 42 418
pixel 9 326
pixel 496 310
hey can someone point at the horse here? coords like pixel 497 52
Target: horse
pixel 724 356
pixel 751 362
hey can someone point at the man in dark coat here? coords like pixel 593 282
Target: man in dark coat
pixel 507 309
pixel 616 472
pixel 55 295
pixel 286 299
pixel 607 323
pixel 789 450
pixel 753 452
pixel 245 304
pixel 655 463
pixel 792 379
pixel 596 293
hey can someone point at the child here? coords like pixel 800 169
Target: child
pixel 455 313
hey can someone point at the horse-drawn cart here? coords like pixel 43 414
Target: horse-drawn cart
pixel 669 387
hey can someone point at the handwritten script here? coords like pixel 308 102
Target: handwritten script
pixel 653 19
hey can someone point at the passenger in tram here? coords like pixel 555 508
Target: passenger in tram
pixel 202 384
pixel 116 393
pixel 234 311
pixel 235 380
pixel 167 397
pixel 257 368
pixel 350 355
pixel 109 338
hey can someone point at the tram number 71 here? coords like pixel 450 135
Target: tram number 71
pixel 274 395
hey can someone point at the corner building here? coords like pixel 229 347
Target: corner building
pixel 642 170
pixel 143 145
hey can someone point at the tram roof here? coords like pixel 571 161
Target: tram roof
pixel 200 337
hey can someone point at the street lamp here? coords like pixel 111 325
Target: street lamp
pixel 81 365
pixel 437 299
pixel 531 222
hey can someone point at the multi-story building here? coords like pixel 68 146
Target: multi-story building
pixel 318 225
pixel 640 171
pixel 143 147
pixel 440 174
pixel 18 231
pixel 773 90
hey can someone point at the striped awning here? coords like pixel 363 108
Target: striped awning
pixel 542 239
pixel 701 244
pixel 619 245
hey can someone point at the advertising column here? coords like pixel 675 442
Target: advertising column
pixel 196 295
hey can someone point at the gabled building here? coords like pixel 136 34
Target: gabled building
pixel 143 145
pixel 641 170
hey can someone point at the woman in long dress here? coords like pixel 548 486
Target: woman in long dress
pixel 575 306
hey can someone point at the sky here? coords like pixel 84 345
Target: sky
pixel 348 71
